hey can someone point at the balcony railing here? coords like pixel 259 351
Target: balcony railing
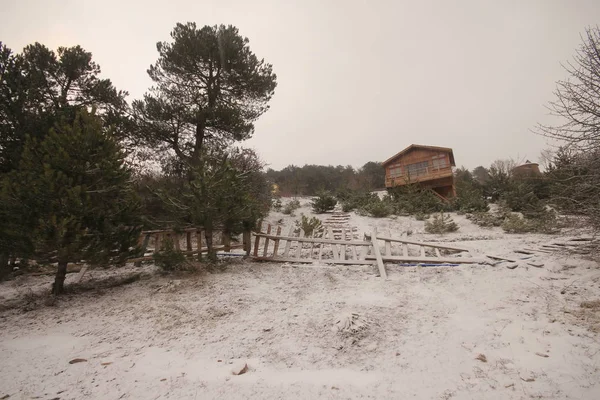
pixel 420 175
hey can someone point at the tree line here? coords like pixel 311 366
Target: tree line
pixel 76 176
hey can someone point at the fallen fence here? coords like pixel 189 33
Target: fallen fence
pixel 323 246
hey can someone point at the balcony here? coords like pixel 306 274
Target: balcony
pixel 418 175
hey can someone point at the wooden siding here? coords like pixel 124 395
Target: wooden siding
pixel 418 165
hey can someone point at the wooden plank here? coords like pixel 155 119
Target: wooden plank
pixel 433 260
pixel 334 246
pixel 423 251
pixel 288 242
pixel 176 241
pixel 247 242
pixel 312 244
pixel 81 273
pixel 315 240
pixel 276 246
pixel 188 241
pixel 226 240
pixel 202 250
pixel 157 243
pixel 267 241
pixel 310 261
pixel 377 253
pixel 441 246
pixel 388 246
pixel 343 251
pixel 299 248
pixel 500 258
pixel 437 252
pixel 404 245
pixel 143 247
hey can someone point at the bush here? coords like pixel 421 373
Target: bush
pixel 169 259
pixel 421 217
pixel 323 202
pixel 308 225
pixel 277 205
pixel 468 198
pixel 357 200
pixel 486 219
pixel 291 206
pixel 377 208
pixel 441 223
pixel 410 200
pixel 545 222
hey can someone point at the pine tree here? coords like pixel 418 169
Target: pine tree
pixel 209 89
pixel 76 190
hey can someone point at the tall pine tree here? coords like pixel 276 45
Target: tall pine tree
pixel 209 88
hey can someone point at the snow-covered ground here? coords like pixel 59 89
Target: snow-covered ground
pixel 467 332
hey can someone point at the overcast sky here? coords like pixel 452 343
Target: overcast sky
pixel 357 80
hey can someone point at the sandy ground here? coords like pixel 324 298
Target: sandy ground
pixel 420 334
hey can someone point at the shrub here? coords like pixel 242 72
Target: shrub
pixel 421 216
pixel 486 219
pixel 441 223
pixel 308 225
pixel 545 222
pixel 291 206
pixel 410 200
pixel 277 205
pixel 357 200
pixel 468 198
pixel 377 208
pixel 169 259
pixel 323 202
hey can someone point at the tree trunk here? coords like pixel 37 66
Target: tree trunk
pixel 212 254
pixel 4 267
pixel 59 281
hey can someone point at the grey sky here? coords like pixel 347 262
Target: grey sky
pixel 357 80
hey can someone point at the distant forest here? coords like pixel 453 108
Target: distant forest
pixel 312 179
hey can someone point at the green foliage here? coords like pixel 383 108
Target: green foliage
pixel 441 223
pixel 357 200
pixel 377 208
pixel 323 203
pixel 169 259
pixel 486 219
pixel 421 216
pixel 309 225
pixel 544 223
pixel 469 197
pixel 226 190
pixel 209 88
pixel 291 206
pixel 75 196
pixel 312 179
pixel 41 88
pixel 277 205
pixel 410 200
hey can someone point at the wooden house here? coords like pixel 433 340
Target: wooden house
pixel 429 166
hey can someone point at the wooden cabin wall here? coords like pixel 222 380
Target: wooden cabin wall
pixel 415 156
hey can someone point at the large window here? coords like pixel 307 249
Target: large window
pixel 417 169
pixel 439 162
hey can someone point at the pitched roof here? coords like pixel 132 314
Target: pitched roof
pixel 420 146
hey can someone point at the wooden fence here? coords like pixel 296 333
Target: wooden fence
pixel 189 241
pixel 323 246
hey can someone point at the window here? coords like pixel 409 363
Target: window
pixel 440 162
pixel 417 169
pixel 395 172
